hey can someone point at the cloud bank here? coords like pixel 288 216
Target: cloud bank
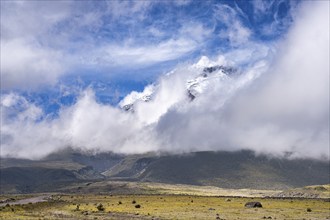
pixel 277 103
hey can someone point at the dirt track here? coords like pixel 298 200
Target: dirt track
pixel 26 201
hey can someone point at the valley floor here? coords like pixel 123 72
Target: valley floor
pixel 85 206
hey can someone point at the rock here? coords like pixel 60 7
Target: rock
pixel 253 205
pixel 128 107
pixel 226 70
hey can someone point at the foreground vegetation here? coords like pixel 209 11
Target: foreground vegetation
pixel 91 206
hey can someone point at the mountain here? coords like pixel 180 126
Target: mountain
pixel 242 169
pixel 210 75
pixel 58 169
pixel 204 75
pixel 129 101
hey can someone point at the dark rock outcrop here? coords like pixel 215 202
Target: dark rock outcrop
pixel 253 205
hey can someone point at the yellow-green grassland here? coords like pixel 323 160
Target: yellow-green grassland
pixel 164 205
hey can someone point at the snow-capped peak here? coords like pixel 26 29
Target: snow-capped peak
pixel 210 75
pixel 204 62
pixel 144 96
pixel 204 74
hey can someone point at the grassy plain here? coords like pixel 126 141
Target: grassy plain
pixel 166 207
pixel 165 201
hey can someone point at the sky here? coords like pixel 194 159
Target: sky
pixel 68 68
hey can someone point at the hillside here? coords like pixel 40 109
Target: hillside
pixel 235 170
pixel 56 170
pixel 224 169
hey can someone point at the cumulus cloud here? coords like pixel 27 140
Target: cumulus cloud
pixel 277 102
pixel 289 108
pixel 87 125
pixel 286 110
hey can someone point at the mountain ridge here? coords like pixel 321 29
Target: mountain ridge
pixel 241 169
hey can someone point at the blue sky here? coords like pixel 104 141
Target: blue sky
pixel 67 66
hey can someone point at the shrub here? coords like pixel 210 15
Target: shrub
pixel 309 209
pixel 133 202
pixel 100 207
pixel 84 212
pixel 138 206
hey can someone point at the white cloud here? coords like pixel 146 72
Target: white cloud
pixel 130 53
pixel 44 40
pixel 124 55
pixel 27 61
pixel 14 105
pixel 195 31
pixel 279 21
pixel 87 125
pixel 26 65
pixel 182 2
pixel 31 19
pixel 286 110
pixel 261 7
pixel 156 32
pixel 93 126
pixel 278 103
pixel 234 31
pixel 294 99
pixel 132 9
